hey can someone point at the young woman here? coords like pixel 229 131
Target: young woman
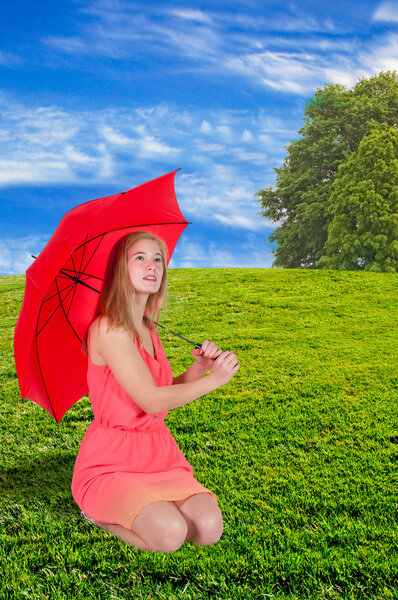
pixel 130 476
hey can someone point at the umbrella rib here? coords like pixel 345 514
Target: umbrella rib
pixel 66 316
pixel 77 273
pixel 38 362
pixel 82 258
pixel 70 303
pixel 95 250
pixel 53 313
pixel 77 280
pixel 70 284
pixel 65 274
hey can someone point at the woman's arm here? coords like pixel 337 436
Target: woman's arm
pixel 193 373
pixel 120 353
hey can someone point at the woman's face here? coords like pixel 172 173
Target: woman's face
pixel 145 266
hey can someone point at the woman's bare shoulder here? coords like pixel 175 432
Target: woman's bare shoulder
pixel 104 338
pixel 101 328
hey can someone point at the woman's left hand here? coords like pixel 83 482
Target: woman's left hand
pixel 208 351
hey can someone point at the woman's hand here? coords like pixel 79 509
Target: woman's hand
pixel 205 354
pixel 224 368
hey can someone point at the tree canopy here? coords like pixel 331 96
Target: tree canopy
pixel 335 200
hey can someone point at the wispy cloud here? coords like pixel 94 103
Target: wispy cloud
pixel 235 53
pixel 48 145
pixel 231 44
pixel 197 254
pixel 120 30
pixel 382 56
pixel 193 15
pixel 387 12
pixel 15 253
pixel 232 151
pixel 8 59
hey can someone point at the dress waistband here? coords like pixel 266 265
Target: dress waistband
pixel 121 429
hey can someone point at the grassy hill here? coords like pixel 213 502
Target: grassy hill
pixel 301 449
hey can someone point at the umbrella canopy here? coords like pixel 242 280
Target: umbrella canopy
pixel 63 285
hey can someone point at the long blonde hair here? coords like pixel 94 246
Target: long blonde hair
pixel 116 299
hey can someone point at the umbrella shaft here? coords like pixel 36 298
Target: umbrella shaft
pixel 197 346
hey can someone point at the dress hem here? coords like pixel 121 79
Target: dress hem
pixel 183 497
pixel 170 498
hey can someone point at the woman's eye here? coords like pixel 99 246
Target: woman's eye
pixel 139 257
pixel 159 260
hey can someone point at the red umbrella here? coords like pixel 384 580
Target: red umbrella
pixel 63 283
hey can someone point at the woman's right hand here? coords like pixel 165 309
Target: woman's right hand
pixel 224 368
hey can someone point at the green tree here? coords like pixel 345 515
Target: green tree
pixel 363 207
pixel 336 119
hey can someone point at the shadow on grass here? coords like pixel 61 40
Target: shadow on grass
pixel 43 477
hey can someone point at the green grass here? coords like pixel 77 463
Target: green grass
pixel 301 449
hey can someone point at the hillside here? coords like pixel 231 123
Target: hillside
pixel 301 449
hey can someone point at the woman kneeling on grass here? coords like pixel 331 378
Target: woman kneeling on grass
pixel 130 476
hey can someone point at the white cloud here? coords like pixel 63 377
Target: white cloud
pixel 224 130
pixel 248 252
pixel 235 44
pixel 73 155
pixel 247 136
pixel 240 221
pixel 210 147
pixel 387 11
pixel 382 56
pixel 48 145
pixel 205 127
pixel 150 148
pixel 15 253
pixel 69 45
pixel 119 31
pixel 279 21
pixel 226 196
pixel 290 72
pixel 227 43
pixel 192 15
pixel 115 138
pixel 8 59
pixel 45 168
pixel 347 78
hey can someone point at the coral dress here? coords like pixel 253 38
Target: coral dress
pixel 128 458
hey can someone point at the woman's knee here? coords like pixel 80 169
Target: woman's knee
pixel 204 518
pixel 209 528
pixel 162 527
pixel 170 535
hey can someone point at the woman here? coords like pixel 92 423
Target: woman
pixel 130 476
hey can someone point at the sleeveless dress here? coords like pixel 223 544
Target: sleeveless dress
pixel 128 458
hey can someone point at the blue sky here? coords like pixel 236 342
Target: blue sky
pixel 97 96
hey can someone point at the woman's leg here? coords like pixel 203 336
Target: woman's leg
pixel 165 526
pixel 158 527
pixel 203 517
